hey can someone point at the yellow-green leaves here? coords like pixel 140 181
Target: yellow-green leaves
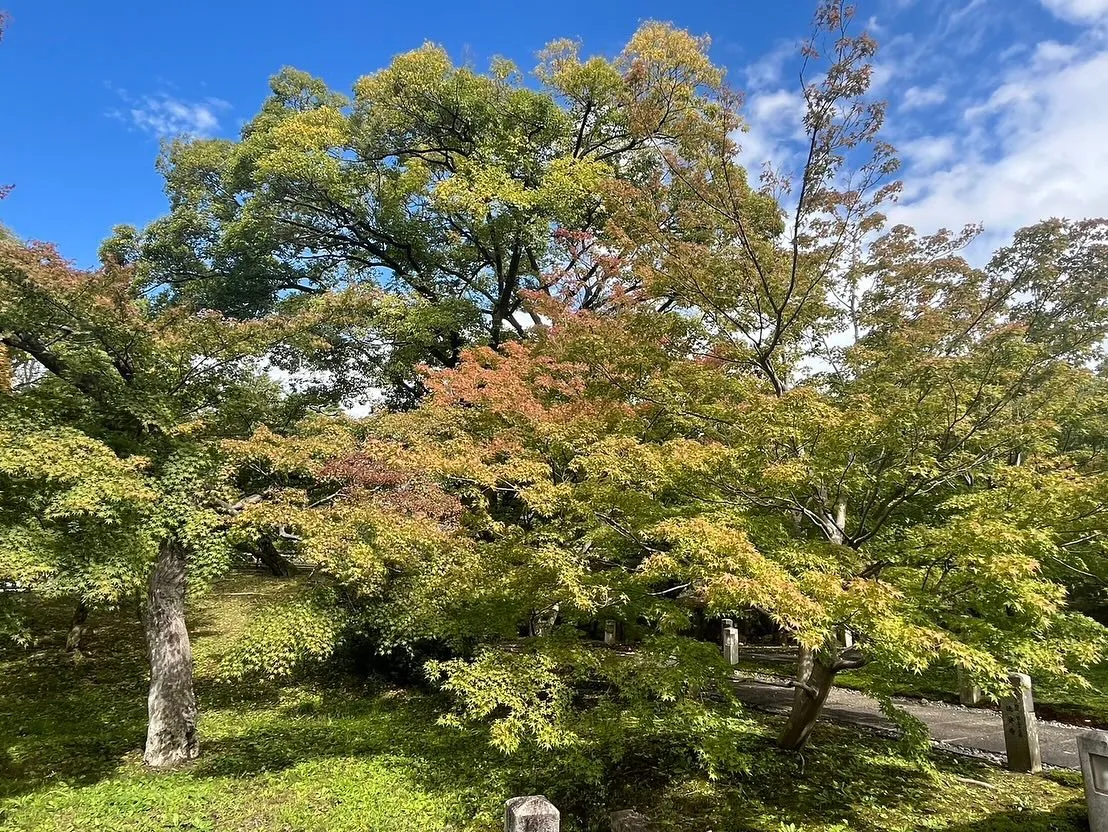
pixel 74 518
pixel 522 695
pixel 303 145
pixel 483 188
pixel 73 477
pixel 284 639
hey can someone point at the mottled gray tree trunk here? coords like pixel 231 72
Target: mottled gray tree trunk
pixel 77 628
pixel 811 693
pixel 171 736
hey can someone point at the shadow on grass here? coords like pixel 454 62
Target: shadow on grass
pixel 65 718
pixel 76 718
pixel 80 723
pixel 839 779
pixel 1068 816
pixel 341 723
pixel 848 780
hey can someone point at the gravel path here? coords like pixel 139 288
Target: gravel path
pixel 975 729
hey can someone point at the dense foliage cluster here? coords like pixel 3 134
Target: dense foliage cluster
pixel 619 387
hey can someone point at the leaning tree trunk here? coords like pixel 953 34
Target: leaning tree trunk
pixel 816 671
pixel 278 564
pixel 171 736
pixel 77 628
pixel 811 693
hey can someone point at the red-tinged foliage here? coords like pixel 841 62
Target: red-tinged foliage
pixel 392 486
pixel 521 383
pixel 591 273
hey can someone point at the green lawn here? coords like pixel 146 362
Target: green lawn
pixel 355 755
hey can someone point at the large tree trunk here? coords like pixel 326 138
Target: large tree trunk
pixel 278 564
pixel 171 736
pixel 811 693
pixel 816 671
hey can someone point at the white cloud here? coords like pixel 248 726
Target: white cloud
pixel 1051 54
pixel 779 111
pixel 882 75
pixel 1033 147
pixel 769 69
pixel 1079 11
pixel 927 153
pixel 164 116
pixel 775 124
pixel 919 98
pixel 993 127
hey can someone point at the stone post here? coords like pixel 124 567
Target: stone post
pixel 609 632
pixel 844 636
pixel 1092 748
pixel 1021 730
pixel 731 645
pixel 969 694
pixel 531 814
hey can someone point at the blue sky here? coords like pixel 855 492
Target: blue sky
pixel 1000 107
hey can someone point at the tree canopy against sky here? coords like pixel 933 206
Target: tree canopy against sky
pixel 973 151
pixel 630 384
pixel 450 187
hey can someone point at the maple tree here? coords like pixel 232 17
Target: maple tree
pixel 826 432
pixel 888 370
pixel 497 524
pixel 111 480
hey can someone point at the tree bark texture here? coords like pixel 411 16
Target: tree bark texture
pixel 77 628
pixel 171 736
pixel 811 693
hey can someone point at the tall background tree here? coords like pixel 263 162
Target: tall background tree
pixel 446 186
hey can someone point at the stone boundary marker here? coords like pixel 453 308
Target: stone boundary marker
pixel 535 813
pixel 531 814
pixel 1021 728
pixel 730 642
pixel 969 694
pixel 609 632
pixel 1092 747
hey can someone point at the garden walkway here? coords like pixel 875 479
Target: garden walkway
pixel 952 726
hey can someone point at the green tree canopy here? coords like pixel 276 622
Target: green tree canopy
pixel 432 180
pixel 110 477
